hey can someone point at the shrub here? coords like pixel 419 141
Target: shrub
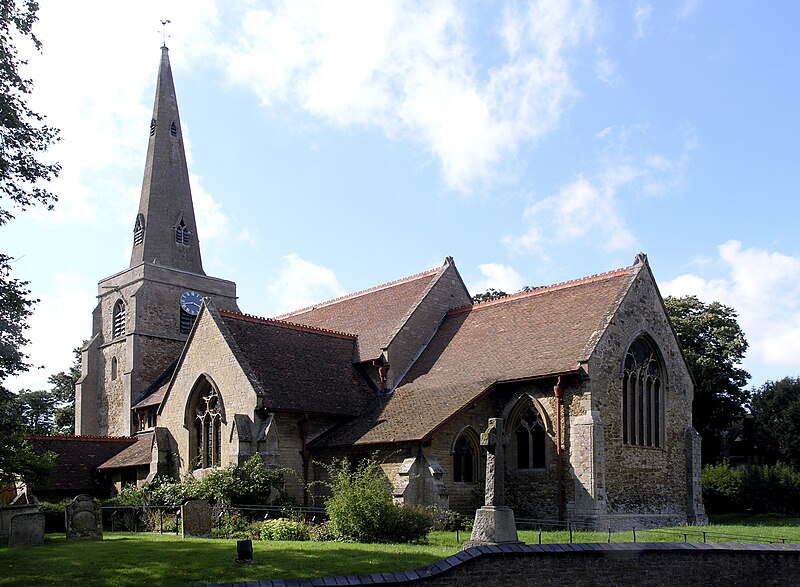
pixel 360 507
pixel 445 520
pixel 722 488
pixel 411 524
pixel 250 483
pixel 283 529
pixel 235 525
pixel 324 532
pixel 752 488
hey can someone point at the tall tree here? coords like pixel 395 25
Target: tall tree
pixel 776 411
pixel 24 139
pixel 38 410
pixel 63 391
pixel 714 346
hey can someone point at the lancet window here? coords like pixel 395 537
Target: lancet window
pixel 465 458
pixel 529 440
pixel 642 396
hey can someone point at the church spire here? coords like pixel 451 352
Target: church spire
pixel 165 232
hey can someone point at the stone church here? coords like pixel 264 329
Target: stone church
pixel 594 391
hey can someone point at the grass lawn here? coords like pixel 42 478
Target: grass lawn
pixel 123 559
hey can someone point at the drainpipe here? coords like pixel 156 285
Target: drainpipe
pixel 381 373
pixel 560 482
pixel 306 454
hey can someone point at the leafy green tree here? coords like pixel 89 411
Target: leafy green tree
pixel 23 139
pixel 776 411
pixel 38 410
pixel 488 295
pixel 23 142
pixel 714 346
pixel 63 390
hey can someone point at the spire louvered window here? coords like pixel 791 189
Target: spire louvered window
pixel 182 234
pixel 138 230
pixel 153 127
pixel 173 129
pixel 118 320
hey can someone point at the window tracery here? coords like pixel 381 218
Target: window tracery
pixel 207 440
pixel 642 396
pixel 529 440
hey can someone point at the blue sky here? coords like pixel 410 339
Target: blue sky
pixel 334 146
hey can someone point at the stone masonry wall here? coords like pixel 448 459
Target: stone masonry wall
pixel 446 292
pixel 640 486
pixel 621 565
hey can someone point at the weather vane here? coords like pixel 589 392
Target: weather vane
pixel 164 24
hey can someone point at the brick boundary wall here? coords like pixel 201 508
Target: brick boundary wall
pixel 610 565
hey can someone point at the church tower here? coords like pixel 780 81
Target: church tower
pixel 145 312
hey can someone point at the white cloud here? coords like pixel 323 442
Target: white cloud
pixel 642 17
pixel 590 208
pixel 687 9
pixel 497 276
pixel 764 288
pixel 605 68
pixel 300 283
pixel 407 68
pixel 579 210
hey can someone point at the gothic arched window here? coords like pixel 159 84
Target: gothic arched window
pixel 138 230
pixel 529 435
pixel 465 459
pixel 642 395
pixel 207 426
pixel 182 233
pixel 113 368
pixel 118 320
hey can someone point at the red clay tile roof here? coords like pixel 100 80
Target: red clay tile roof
pixel 137 454
pixel 299 368
pixel 78 457
pixel 372 314
pixel 544 332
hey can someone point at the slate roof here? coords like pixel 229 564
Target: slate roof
pixel 299 368
pixel 78 458
pixel 137 454
pixel 155 392
pixel 372 314
pixel 547 331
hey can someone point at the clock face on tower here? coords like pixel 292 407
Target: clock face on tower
pixel 190 302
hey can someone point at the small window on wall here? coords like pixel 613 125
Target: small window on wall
pixel 118 319
pixel 529 440
pixel 642 395
pixel 465 459
pixel 113 368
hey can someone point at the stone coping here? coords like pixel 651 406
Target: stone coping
pixel 444 565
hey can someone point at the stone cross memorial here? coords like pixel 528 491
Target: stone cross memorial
pixel 494 522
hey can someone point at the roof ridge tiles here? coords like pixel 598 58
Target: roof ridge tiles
pixel 81 438
pixel 285 324
pixel 360 293
pixel 543 289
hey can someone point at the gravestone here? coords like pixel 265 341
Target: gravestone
pixel 196 519
pixel 494 522
pixel 27 530
pixel 84 519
